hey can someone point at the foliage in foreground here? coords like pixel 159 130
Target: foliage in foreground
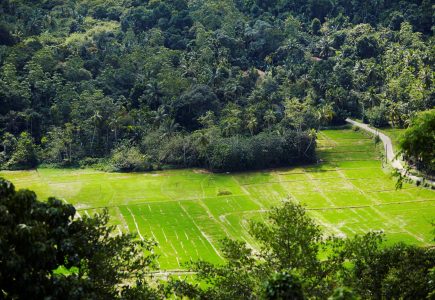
pixel 295 259
pixel 46 252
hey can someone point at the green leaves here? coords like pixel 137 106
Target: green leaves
pixel 296 260
pixel 417 141
pixel 37 239
pixel 397 271
pixel 24 155
pixel 284 286
pixel 289 239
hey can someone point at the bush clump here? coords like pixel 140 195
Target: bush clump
pixel 377 116
pixel 128 159
pixel 264 150
pixel 21 153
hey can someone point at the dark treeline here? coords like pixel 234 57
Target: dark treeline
pixel 46 252
pixel 196 83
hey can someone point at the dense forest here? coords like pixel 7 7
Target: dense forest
pixel 227 85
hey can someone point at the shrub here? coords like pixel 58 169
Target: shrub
pixel 377 116
pixel 89 162
pixel 179 150
pixel 224 193
pixel 230 154
pixel 151 144
pixel 57 147
pixel 376 139
pixel 8 143
pixel 125 159
pixel 235 153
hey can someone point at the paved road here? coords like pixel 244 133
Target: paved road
pixel 391 156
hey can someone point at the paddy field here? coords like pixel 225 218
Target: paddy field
pixel 187 212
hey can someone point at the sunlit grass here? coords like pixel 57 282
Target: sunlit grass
pixel 188 211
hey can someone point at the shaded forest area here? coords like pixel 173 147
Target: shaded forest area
pixel 134 85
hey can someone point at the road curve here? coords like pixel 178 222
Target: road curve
pixel 388 147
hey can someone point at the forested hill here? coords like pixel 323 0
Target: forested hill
pixel 223 84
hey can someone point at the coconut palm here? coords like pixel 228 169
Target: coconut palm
pixel 159 116
pixel 153 94
pixel 231 126
pixel 96 118
pixel 269 117
pixel 169 127
pixel 326 49
pixel 252 124
pixel 325 114
pixel 203 139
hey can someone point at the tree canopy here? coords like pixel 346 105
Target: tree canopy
pixel 417 142
pixel 48 251
pixel 80 79
pixel 296 261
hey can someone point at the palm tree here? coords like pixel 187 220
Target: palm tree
pixel 325 114
pixel 269 117
pixel 207 120
pixel 203 140
pixel 153 93
pixel 312 134
pixel 326 50
pixel 95 118
pixel 159 116
pixel 114 124
pixel 169 127
pixel 231 126
pixel 252 124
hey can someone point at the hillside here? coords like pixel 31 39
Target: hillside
pixel 175 81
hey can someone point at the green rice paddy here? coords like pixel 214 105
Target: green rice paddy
pixel 188 211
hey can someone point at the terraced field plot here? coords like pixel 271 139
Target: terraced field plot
pixel 188 211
